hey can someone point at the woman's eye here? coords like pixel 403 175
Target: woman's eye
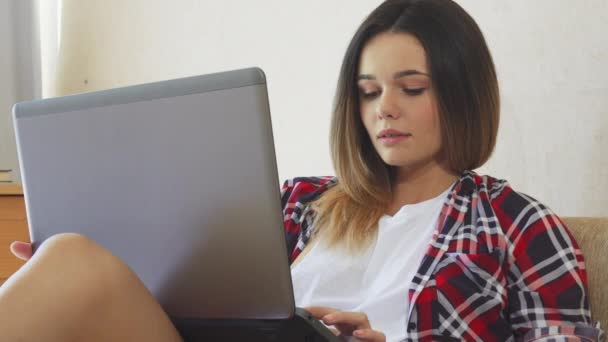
pixel 369 95
pixel 413 92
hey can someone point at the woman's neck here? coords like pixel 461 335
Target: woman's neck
pixel 415 185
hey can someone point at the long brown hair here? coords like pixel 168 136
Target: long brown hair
pixel 466 88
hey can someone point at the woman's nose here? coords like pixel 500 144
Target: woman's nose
pixel 387 107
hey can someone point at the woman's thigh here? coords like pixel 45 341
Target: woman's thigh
pixel 73 289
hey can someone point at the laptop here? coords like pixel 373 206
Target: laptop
pixel 179 180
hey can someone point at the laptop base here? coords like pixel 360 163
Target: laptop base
pixel 301 328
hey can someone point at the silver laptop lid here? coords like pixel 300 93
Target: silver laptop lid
pixel 177 178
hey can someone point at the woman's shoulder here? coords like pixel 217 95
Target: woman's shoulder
pixel 471 181
pixel 305 189
pixel 497 190
pixel 511 208
pixel 312 182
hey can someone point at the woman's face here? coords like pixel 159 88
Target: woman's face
pixel 397 101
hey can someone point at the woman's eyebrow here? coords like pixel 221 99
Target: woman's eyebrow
pixel 409 72
pixel 398 74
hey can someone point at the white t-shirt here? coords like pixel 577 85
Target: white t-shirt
pixel 377 280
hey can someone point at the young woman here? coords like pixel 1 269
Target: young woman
pixel 405 243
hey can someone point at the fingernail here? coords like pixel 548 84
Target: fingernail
pixel 328 318
pixel 357 333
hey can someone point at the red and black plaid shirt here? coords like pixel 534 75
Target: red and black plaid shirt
pixel 500 266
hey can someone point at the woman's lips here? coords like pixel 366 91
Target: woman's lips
pixel 391 136
pixel 392 140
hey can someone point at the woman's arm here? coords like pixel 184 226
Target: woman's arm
pixel 547 282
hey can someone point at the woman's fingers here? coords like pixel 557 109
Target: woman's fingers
pixel 358 320
pixel 369 335
pixel 319 312
pixel 21 250
pixel 347 323
pixel 334 331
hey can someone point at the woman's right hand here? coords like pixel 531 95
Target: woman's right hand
pixel 22 250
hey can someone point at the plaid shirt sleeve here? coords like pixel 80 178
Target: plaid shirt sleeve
pixel 298 218
pixel 546 278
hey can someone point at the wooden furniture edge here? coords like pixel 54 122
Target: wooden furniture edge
pixel 11 189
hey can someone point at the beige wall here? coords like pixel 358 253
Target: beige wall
pixel 551 57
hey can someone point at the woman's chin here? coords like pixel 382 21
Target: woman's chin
pixel 396 162
pixel 405 164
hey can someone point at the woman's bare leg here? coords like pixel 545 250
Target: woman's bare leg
pixel 74 290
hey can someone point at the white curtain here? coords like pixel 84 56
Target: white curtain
pixel 20 71
pixel 49 19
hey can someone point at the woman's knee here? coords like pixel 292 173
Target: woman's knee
pixel 75 250
pixel 84 263
pixel 68 245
